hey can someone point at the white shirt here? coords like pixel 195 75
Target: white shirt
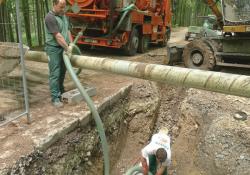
pixel 159 140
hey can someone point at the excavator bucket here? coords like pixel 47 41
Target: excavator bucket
pixel 174 53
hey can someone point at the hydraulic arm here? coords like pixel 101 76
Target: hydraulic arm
pixel 213 6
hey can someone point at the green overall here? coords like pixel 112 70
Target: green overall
pixel 54 51
pixel 153 165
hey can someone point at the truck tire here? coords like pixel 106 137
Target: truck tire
pixel 186 37
pixel 143 44
pixel 166 37
pixel 131 47
pixel 216 47
pixel 164 42
pixel 198 55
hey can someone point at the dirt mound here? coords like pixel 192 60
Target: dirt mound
pixel 210 140
pixel 7 65
pixel 9 57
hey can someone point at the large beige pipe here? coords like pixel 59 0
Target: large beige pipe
pixel 211 81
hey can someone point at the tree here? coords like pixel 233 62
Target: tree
pixel 25 10
pixel 39 25
pixel 3 36
pixel 187 11
pixel 34 11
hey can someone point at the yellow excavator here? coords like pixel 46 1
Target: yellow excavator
pixel 231 49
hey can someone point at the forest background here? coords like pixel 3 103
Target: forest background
pixel 185 13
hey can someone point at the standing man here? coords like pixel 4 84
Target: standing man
pixel 156 156
pixel 57 41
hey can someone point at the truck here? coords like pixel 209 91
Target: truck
pixel 231 49
pixel 130 25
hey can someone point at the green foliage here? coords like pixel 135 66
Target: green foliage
pixel 33 13
pixel 187 11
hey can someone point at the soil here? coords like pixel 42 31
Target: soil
pixel 206 139
pixel 192 117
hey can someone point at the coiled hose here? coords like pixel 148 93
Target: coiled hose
pixel 90 104
pixel 135 170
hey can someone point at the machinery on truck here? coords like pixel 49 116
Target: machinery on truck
pixel 230 49
pixel 127 24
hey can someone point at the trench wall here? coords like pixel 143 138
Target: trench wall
pixel 75 148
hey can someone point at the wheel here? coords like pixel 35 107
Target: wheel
pixel 166 37
pixel 198 55
pixel 216 47
pixel 131 47
pixel 143 44
pixel 186 37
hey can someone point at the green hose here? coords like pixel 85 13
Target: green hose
pixel 130 7
pixel 92 107
pixel 135 169
pixel 125 11
pixel 120 22
pixel 134 7
pixel 77 51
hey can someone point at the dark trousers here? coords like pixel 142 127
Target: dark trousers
pixel 153 165
pixel 57 71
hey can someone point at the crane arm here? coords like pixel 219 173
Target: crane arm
pixel 212 5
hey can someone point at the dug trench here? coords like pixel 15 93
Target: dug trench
pixel 206 137
pixel 209 134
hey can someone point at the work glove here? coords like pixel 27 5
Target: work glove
pixel 68 52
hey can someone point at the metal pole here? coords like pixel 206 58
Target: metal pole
pixel 22 61
pixel 6 122
pixel 207 80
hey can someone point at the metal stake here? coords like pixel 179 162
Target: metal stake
pixel 22 62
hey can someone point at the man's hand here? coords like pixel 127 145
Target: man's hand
pixel 61 41
pixel 161 170
pixel 145 171
pixel 69 50
pixel 144 166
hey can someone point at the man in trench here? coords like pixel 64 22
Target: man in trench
pixel 156 156
pixel 58 37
